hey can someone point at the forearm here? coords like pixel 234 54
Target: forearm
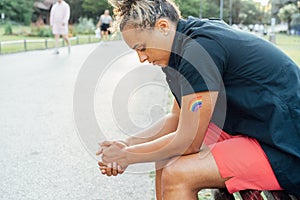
pixel 187 138
pixel 173 144
pixel 162 127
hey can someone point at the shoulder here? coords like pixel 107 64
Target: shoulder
pixel 66 4
pixel 54 5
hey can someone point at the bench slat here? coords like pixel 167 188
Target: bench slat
pixel 251 195
pixel 223 194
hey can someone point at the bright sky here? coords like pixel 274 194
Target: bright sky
pixel 263 2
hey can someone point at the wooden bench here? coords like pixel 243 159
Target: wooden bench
pixel 223 194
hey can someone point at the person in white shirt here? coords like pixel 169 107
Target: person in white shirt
pixel 59 18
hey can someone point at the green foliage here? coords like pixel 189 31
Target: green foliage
pixel 85 26
pixel 285 13
pixel 94 8
pixel 41 31
pixel 208 9
pixel 17 10
pixel 76 10
pixel 8 29
pixel 45 32
pixel 247 12
pixel 295 19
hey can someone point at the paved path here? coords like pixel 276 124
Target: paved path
pixel 41 153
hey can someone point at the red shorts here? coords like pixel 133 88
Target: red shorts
pixel 241 159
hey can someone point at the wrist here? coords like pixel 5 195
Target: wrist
pixel 127 142
pixel 128 157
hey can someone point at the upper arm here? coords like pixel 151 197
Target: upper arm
pixel 175 109
pixel 195 115
pixel 199 69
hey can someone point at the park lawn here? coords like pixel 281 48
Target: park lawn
pixel 17 37
pixel 290 45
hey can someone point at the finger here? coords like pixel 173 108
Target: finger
pixel 109 169
pixel 101 164
pixel 105 143
pixel 119 144
pixel 103 170
pixel 100 151
pixel 120 170
pixel 114 169
pixel 102 167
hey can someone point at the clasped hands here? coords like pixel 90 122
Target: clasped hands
pixel 113 157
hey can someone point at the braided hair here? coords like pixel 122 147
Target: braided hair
pixel 143 13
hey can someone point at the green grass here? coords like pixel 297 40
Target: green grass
pixel 25 43
pixel 29 43
pixel 290 45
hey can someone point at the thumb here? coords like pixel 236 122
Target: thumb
pixel 119 144
pixel 100 151
pixel 105 143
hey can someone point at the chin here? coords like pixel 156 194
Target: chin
pixel 160 64
pixel 163 65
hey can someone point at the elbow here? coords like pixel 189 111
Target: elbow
pixel 189 145
pixel 192 150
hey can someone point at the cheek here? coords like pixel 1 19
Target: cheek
pixel 164 54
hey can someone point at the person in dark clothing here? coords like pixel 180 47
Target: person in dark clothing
pixel 235 121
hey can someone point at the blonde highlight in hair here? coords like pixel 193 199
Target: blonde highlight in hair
pixel 143 13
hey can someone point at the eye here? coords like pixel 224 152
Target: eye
pixel 142 49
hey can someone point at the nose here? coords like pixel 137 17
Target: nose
pixel 143 57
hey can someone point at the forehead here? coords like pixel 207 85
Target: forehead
pixel 133 36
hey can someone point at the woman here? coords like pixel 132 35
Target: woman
pixel 220 78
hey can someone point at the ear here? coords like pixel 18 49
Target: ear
pixel 162 24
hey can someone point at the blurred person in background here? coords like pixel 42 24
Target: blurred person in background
pixel 105 23
pixel 59 19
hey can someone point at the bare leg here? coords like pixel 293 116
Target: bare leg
pixel 102 35
pixel 158 186
pixel 56 41
pixel 105 35
pixel 66 39
pixel 158 189
pixel 183 178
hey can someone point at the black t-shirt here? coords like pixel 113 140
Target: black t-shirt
pixel 259 88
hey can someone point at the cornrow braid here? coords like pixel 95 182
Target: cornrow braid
pixel 143 13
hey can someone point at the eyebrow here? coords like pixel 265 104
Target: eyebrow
pixel 135 46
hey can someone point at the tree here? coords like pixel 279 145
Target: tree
pixel 76 10
pixel 209 9
pixel 295 19
pixel 94 8
pixel 285 14
pixel 17 10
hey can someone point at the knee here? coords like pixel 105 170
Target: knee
pixel 173 177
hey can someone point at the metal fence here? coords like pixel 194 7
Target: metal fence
pixel 39 44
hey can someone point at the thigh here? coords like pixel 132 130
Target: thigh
pixel 65 36
pixel 196 171
pixel 243 161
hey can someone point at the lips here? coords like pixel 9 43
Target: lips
pixel 153 62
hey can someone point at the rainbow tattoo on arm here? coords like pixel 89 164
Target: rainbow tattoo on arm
pixel 195 104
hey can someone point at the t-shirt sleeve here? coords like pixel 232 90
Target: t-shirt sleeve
pixel 201 67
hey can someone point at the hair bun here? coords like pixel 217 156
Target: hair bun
pixel 143 13
pixel 122 6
